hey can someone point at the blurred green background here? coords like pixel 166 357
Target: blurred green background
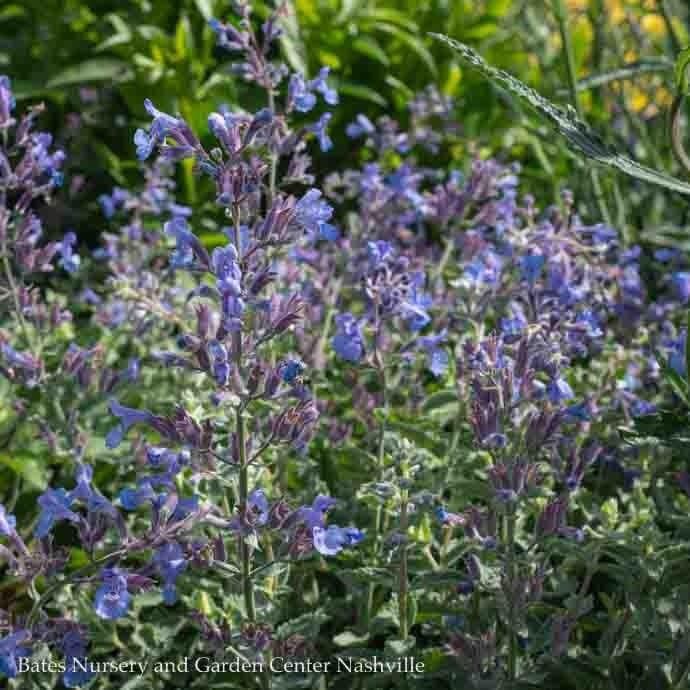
pixel 95 62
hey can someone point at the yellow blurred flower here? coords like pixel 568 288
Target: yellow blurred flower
pixel 653 24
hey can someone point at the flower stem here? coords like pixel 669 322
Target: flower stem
pixel 378 524
pixel 241 432
pixel 403 574
pixel 510 565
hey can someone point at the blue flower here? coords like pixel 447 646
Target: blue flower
pixel 162 126
pixel 11 650
pixel 55 506
pixel 128 417
pixel 258 505
pixel 579 412
pixel 69 260
pixel 315 514
pixel 436 356
pixel 681 286
pixel 291 370
pixel 226 268
pixel 414 309
pixel 319 129
pixel 333 539
pixel 530 267
pixel 362 125
pixel 320 85
pixel 131 499
pixel 74 648
pixel 84 492
pixel 312 214
pixel 8 522
pixel 220 364
pixel 7 103
pixel 300 96
pixel 676 356
pixel 170 562
pixel 558 390
pixel 112 597
pixel 183 256
pixel 348 342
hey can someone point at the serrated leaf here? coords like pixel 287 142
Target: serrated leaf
pixel 580 137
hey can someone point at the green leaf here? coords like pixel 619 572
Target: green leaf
pixel 628 71
pixel 97 69
pixel 682 62
pixel 410 41
pixel 400 647
pixel 581 138
pixel 363 92
pixel 677 382
pixel 291 42
pixel 440 399
pixel 368 46
pixel 27 467
pixel 122 35
pixel 349 639
pixel 205 7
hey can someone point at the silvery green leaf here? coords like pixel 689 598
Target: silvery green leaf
pixel 580 137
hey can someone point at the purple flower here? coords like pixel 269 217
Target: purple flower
pixel 300 92
pixel 74 646
pixel 558 390
pixel 530 267
pixel 436 356
pixel 183 256
pixel 163 125
pixel 128 417
pixel 319 129
pixel 8 523
pixel 676 355
pixel 312 214
pixel 12 649
pixel 291 370
pixel 300 96
pixel 226 268
pixel 55 506
pixel 7 103
pixel 131 499
pixel 84 492
pixel 220 364
pixel 348 342
pixel 362 125
pixel 112 597
pixel 170 562
pixel 320 85
pixel 681 286
pixel 258 505
pixel 315 514
pixel 333 539
pixel 69 260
